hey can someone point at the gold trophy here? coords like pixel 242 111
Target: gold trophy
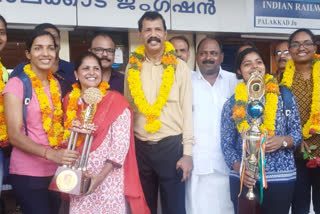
pixel 70 179
pixel 252 137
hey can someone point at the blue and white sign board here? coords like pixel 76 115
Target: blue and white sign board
pixel 291 14
pixel 210 15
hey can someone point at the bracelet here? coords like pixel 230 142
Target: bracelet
pixel 45 153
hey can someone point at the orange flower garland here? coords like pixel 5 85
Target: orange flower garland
pixel 151 111
pixel 72 108
pixel 51 119
pixel 241 99
pixel 312 125
pixel 3 127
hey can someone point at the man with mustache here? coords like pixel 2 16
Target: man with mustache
pixel 207 189
pixel 281 56
pixel 163 135
pixel 103 46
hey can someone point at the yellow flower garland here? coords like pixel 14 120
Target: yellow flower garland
pixel 271 105
pixel 51 124
pixel 312 125
pixel 72 108
pixel 152 112
pixel 3 127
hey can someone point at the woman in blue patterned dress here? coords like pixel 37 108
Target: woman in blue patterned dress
pixel 282 122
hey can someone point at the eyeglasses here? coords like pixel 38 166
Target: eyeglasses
pixel 296 45
pixel 279 53
pixel 100 51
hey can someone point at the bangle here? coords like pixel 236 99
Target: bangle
pixel 45 153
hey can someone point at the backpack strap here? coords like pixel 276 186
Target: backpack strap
pixel 27 95
pixel 286 95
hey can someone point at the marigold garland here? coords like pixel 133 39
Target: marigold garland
pixel 72 108
pixel 3 127
pixel 52 120
pixel 152 112
pixel 312 125
pixel 241 99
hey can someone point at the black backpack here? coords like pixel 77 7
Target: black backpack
pixel 27 95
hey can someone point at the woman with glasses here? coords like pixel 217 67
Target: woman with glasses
pixel 301 75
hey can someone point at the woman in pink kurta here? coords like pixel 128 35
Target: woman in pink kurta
pixel 109 195
pixel 112 164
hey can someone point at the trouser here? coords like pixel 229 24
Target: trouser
pixel 277 197
pixel 157 167
pixel 307 179
pixel 33 196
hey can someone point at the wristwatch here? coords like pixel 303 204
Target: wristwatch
pixel 284 144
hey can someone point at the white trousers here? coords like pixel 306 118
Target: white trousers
pixel 208 194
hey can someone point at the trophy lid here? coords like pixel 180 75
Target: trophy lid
pixel 92 96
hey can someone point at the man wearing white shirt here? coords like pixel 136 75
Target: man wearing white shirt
pixel 207 190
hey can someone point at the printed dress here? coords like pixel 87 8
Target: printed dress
pixel 109 195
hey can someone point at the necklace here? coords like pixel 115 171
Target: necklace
pixel 152 112
pixel 312 124
pixel 241 99
pixel 72 108
pixel 3 127
pixel 51 124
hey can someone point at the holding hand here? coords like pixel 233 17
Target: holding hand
pixel 274 143
pixel 248 179
pixel 96 180
pixel 62 156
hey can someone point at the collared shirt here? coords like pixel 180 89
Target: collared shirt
pixel 176 114
pixel 64 75
pixel 116 81
pixel 208 102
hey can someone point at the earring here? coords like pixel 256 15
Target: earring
pixel 77 78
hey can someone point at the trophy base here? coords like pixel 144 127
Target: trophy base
pixel 69 181
pixel 250 195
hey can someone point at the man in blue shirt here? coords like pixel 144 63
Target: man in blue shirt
pixel 62 70
pixel 103 46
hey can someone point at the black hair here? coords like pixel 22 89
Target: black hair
pixel 181 37
pixel 151 15
pixel 246 43
pixel 4 21
pixel 307 31
pixel 278 43
pixel 211 38
pixel 100 33
pixel 86 54
pixel 44 26
pixel 35 34
pixel 241 56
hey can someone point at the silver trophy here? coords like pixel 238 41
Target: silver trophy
pixel 252 136
pixel 71 179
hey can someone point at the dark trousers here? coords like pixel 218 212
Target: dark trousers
pixel 277 197
pixel 307 179
pixel 33 196
pixel 157 167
